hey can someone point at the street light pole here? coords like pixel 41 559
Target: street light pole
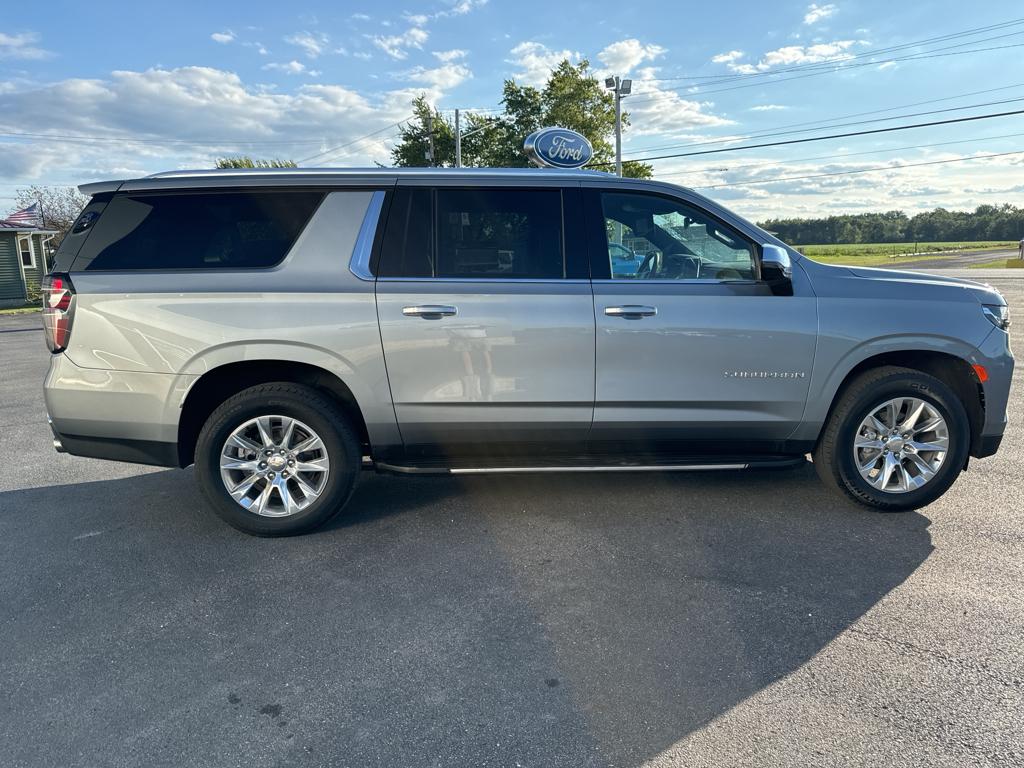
pixel 458 141
pixel 430 138
pixel 620 88
pixel 618 129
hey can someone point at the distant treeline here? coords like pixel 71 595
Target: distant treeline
pixel 986 222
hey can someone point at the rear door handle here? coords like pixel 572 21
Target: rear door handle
pixel 631 311
pixel 431 311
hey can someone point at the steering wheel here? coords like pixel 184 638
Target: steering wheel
pixel 670 266
pixel 651 265
pixel 681 266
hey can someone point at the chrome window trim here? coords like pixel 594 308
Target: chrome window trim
pixel 359 264
pixel 494 280
pixel 688 281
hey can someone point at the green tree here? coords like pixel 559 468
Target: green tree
pixel 60 206
pixel 572 98
pixel 244 161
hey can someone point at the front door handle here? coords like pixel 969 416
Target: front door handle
pixel 430 311
pixel 631 311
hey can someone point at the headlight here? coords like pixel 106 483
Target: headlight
pixel 999 314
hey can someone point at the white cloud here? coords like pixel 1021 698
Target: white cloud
pixel 726 58
pixel 816 13
pixel 768 108
pixel 462 7
pixel 360 17
pixel 444 77
pixel 537 61
pixel 311 43
pixel 190 104
pixel 397 46
pixel 21 46
pixel 624 55
pixel 416 19
pixel 289 68
pixel 452 55
pixel 838 50
pixel 666 113
pixel 224 37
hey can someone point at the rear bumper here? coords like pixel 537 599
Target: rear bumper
pixel 132 451
pixel 117 415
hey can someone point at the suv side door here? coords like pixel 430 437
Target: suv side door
pixel 695 353
pixel 487 318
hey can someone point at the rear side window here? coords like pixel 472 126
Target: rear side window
pixel 475 233
pixel 209 230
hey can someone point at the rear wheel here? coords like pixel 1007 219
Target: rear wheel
pixel 277 459
pixel 897 439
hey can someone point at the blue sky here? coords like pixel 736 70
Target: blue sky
pixel 110 89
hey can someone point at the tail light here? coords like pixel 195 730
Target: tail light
pixel 58 310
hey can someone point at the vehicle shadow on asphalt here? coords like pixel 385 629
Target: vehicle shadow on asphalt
pixel 545 620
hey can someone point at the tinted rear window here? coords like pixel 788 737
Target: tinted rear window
pixel 219 230
pixel 474 233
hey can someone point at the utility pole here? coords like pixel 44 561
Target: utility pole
pixel 430 136
pixel 620 88
pixel 458 141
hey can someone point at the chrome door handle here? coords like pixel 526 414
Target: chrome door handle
pixel 431 311
pixel 631 311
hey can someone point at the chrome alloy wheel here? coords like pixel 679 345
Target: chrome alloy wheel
pixel 901 445
pixel 274 466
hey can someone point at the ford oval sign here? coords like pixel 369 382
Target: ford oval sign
pixel 558 148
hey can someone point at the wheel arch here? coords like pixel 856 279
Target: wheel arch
pixel 219 383
pixel 951 369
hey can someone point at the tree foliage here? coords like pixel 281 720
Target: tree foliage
pixel 60 206
pixel 572 98
pixel 986 222
pixel 244 161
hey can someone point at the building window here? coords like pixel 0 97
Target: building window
pixel 28 255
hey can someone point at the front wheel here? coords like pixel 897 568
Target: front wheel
pixel 896 440
pixel 277 459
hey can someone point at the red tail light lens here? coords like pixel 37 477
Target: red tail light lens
pixel 58 310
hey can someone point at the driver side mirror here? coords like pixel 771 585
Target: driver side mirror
pixel 777 269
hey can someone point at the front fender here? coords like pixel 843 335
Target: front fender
pixel 836 359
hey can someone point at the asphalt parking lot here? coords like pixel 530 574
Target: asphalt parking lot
pixel 711 619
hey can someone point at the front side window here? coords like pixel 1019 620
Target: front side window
pixel 215 230
pixel 474 233
pixel 650 237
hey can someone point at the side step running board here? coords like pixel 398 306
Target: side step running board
pixel 440 470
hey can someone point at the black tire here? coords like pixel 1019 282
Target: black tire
pixel 285 399
pixel 834 456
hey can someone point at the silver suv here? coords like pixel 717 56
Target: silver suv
pixel 284 329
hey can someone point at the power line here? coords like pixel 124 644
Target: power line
pixel 772 163
pixel 827 122
pixel 823 138
pixel 845 58
pixel 862 170
pixel 356 141
pixel 832 70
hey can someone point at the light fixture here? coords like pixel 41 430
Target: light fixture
pixel 625 87
pixel 609 82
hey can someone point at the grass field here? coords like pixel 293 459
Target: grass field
pixel 19 310
pixel 869 254
pixel 1000 264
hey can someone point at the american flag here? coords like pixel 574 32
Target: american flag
pixel 30 215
